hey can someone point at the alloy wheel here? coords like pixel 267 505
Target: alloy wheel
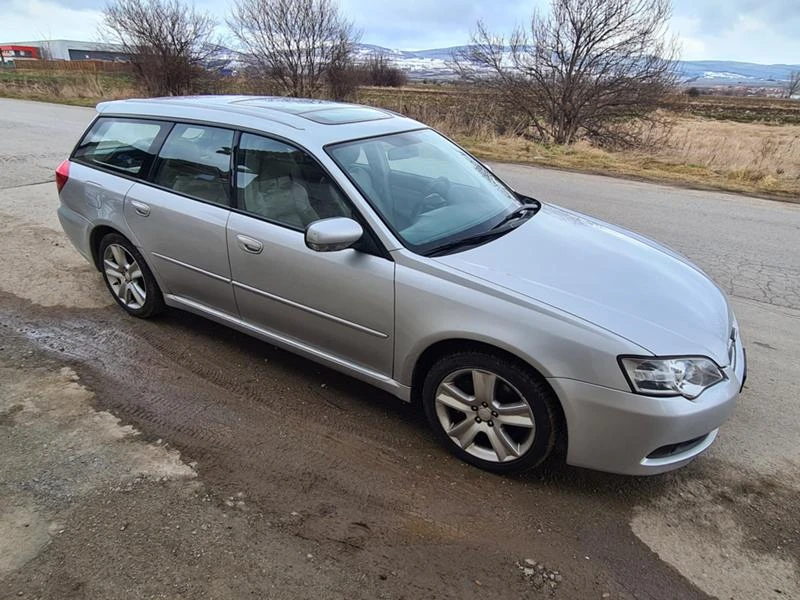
pixel 485 415
pixel 124 276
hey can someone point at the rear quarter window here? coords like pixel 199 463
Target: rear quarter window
pixel 123 145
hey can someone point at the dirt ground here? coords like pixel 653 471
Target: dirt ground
pixel 175 458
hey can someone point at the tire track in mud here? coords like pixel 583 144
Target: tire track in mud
pixel 317 461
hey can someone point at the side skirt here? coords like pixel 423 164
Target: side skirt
pixel 366 375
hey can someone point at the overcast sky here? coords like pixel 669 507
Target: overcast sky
pixel 763 31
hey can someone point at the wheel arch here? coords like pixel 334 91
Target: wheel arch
pixel 441 348
pixel 95 237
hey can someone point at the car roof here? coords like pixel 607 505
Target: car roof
pixel 309 122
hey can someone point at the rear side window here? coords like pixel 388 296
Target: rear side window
pixel 123 145
pixel 196 161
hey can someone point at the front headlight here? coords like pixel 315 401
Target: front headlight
pixel 685 376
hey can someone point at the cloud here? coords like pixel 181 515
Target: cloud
pixel 744 37
pixel 718 17
pixel 762 31
pixel 424 24
pixel 45 19
pixel 747 30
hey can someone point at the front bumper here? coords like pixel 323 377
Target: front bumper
pixel 631 434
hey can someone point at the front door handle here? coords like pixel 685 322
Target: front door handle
pixel 141 208
pixel 250 245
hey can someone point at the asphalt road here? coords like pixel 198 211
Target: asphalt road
pixel 304 483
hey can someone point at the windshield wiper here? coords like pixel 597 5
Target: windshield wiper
pixel 518 213
pixel 501 228
pixel 471 240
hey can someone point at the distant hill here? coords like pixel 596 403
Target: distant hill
pixel 432 64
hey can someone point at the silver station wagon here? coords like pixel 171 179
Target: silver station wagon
pixel 372 244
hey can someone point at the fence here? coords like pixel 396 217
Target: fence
pixel 91 66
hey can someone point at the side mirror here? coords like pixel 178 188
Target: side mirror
pixel 330 235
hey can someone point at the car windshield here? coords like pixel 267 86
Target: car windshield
pixel 429 191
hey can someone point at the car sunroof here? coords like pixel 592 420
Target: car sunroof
pixel 339 116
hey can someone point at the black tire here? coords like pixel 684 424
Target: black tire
pixel 154 300
pixel 520 380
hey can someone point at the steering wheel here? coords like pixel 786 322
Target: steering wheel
pixel 435 195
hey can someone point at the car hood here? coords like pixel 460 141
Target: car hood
pixel 609 276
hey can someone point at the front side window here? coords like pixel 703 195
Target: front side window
pixel 429 191
pixel 284 184
pixel 196 161
pixel 124 145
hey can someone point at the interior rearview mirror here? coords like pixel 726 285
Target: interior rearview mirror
pixel 402 152
pixel 330 235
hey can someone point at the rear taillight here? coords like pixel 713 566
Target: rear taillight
pixel 62 174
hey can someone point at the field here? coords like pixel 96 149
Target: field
pixel 67 87
pixel 749 145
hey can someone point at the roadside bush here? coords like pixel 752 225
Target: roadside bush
pixel 378 70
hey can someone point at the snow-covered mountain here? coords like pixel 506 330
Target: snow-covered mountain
pixel 433 64
pixel 418 64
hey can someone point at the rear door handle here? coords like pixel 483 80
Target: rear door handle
pixel 141 208
pixel 250 245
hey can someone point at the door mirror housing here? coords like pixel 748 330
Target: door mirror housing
pixel 330 235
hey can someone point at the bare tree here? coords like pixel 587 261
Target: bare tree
pixel 294 42
pixel 379 70
pixel 167 41
pixel 793 84
pixel 343 78
pixel 46 50
pixel 586 69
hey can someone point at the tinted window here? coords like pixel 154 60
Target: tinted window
pixel 121 144
pixel 284 184
pixel 195 160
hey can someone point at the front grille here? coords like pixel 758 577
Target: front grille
pixel 673 449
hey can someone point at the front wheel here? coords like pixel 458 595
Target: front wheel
pixel 491 412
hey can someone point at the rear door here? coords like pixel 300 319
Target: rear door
pixel 337 303
pixel 180 216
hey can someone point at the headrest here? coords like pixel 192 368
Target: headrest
pixel 348 154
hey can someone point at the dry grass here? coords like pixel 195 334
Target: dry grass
pixel 749 151
pixel 757 153
pixel 751 154
pixel 708 154
pixel 67 87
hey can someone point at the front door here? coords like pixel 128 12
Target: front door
pixel 338 303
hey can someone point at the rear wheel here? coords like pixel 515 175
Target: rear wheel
pixel 491 412
pixel 128 277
